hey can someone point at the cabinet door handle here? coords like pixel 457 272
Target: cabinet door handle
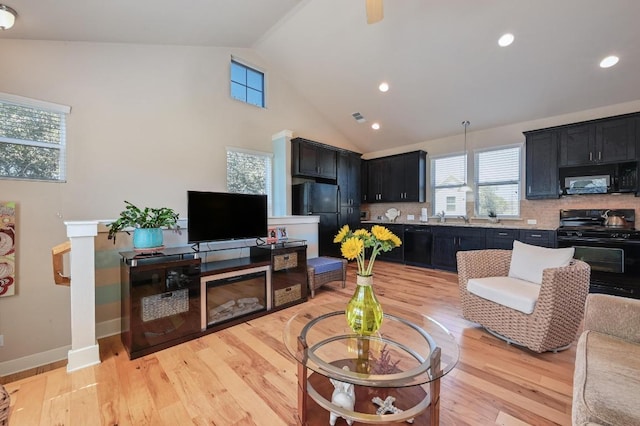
pixel 599 155
pixel 536 236
pixel 591 156
pixel 502 234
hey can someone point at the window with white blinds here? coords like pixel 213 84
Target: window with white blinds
pixel 32 139
pixel 249 172
pixel 447 179
pixel 498 181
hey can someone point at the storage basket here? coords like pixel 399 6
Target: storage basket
pixel 287 295
pixel 4 406
pixel 165 304
pixel 285 261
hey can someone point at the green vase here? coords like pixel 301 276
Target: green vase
pixel 364 313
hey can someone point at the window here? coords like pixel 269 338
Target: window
pixel 247 84
pixel 32 139
pixel 249 172
pixel 447 178
pixel 498 181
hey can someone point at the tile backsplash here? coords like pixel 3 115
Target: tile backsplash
pixel 544 212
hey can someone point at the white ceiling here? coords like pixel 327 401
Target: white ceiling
pixel 440 57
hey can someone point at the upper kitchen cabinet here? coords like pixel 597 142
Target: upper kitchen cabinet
pixel 349 178
pixel 397 178
pixel 542 164
pixel 313 160
pixel 609 140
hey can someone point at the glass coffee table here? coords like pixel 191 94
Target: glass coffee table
pixel 395 372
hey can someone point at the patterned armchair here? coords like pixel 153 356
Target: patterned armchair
pixel 556 305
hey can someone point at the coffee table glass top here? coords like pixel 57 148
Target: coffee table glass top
pixel 398 355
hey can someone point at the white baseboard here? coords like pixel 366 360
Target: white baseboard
pixel 103 329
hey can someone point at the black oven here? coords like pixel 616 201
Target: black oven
pixel 615 263
pixel 613 252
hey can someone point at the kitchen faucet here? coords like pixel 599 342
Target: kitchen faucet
pixel 441 215
pixel 465 218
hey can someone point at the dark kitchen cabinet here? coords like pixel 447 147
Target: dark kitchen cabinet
pixel 349 178
pixel 396 254
pixel 577 145
pixel 349 216
pixel 408 178
pixel 501 238
pixel 313 160
pixel 364 181
pixel 542 164
pixel 598 142
pixel 538 237
pixel 616 140
pixel 448 240
pixel 378 180
pixel 396 178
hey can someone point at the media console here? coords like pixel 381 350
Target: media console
pixel 176 295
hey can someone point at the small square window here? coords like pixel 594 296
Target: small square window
pixel 247 84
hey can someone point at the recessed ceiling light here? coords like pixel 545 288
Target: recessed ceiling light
pixel 609 61
pixel 506 40
pixel 375 126
pixel 384 86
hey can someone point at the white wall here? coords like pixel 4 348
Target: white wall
pixel 147 124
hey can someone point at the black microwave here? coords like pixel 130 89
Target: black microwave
pixel 599 179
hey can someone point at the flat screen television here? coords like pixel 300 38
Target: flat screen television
pixel 215 216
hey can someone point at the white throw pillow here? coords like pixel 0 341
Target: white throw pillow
pixel 528 262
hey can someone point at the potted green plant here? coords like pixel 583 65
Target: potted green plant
pixel 147 225
pixel 493 217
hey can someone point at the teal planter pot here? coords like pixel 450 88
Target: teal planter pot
pixel 147 238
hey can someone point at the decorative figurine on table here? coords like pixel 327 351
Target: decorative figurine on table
pixel 344 396
pixel 387 406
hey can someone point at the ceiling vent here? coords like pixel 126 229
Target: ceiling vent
pixel 358 117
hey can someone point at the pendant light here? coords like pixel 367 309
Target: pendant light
pixel 465 187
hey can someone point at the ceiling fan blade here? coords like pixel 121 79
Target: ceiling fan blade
pixel 374 11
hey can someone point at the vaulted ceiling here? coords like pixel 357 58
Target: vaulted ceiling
pixel 440 58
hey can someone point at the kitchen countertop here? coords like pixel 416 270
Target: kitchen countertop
pixel 510 223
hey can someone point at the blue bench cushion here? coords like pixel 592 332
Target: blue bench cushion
pixel 324 264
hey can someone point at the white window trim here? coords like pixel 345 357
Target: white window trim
pixel 476 187
pixel 432 179
pixel 254 152
pixel 46 106
pixel 257 68
pixel 34 103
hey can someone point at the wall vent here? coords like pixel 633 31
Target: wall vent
pixel 358 117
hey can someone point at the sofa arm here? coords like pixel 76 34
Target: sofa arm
pixel 613 315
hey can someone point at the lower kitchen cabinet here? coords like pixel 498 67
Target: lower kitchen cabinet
pixel 501 238
pixel 396 254
pixel 448 240
pixel 538 237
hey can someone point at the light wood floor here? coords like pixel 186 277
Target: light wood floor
pixel 244 376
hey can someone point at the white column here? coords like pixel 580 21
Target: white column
pixel 281 173
pixel 84 350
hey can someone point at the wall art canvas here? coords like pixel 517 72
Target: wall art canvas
pixel 7 248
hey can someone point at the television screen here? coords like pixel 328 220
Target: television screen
pixel 214 216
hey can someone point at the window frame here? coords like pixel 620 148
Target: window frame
pixel 478 185
pixel 250 67
pixel 434 187
pixel 268 178
pixel 45 106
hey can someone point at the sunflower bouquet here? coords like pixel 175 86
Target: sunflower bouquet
pixel 354 243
